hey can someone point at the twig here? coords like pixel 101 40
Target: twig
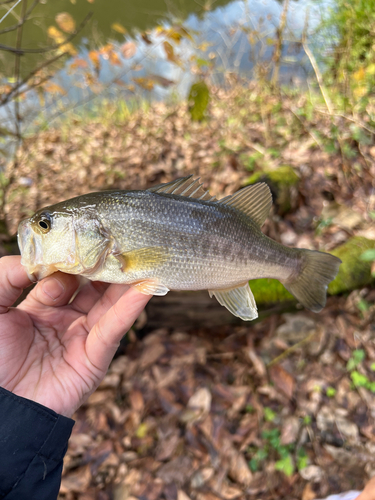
pixel 10 10
pixel 351 119
pixel 279 45
pixel 17 68
pixel 307 129
pixel 13 93
pixel 291 349
pixel 318 74
pixel 43 50
pixel 16 26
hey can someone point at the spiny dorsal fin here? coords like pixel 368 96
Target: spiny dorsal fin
pixel 254 201
pixel 186 186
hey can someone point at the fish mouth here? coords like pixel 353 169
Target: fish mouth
pixel 31 252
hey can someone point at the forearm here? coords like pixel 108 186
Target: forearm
pixel 33 442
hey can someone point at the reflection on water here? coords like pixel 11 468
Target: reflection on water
pixel 236 37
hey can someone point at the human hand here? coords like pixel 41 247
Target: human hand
pixel 53 352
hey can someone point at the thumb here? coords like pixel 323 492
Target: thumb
pixel 55 290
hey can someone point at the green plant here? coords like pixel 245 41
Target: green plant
pixel 331 392
pixel 269 415
pixel 351 64
pixel 358 355
pixel 359 379
pixel 273 448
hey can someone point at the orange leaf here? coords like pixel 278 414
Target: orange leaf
pixel 114 58
pixel 283 380
pixel 68 47
pixel 105 50
pixel 79 63
pixel 128 49
pixel 56 34
pixel 145 83
pixel 53 88
pixel 95 59
pixel 65 22
pixel 119 28
pixel 90 79
pixel 171 56
pixel 169 51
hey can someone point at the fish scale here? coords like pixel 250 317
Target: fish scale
pixel 175 236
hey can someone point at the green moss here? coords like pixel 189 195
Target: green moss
pixel 284 175
pixel 354 272
pixel 269 291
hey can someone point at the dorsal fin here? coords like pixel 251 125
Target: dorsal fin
pixel 186 186
pixel 254 201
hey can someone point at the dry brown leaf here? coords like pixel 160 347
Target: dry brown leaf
pixel 150 355
pixel 290 430
pixel 308 492
pixel 136 400
pixel 77 481
pixel 282 380
pixel 200 400
pixel 181 495
pixel 238 468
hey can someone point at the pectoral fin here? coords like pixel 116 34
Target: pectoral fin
pixel 150 287
pixel 239 301
pixel 143 258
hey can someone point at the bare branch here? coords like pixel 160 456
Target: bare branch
pixel 17 68
pixel 16 26
pixel 10 10
pixel 316 69
pixel 279 44
pixel 43 50
pixel 13 92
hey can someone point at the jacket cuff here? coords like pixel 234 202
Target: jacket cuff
pixel 33 442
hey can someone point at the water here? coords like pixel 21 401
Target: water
pixel 232 37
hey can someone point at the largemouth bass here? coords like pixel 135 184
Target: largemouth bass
pixel 174 236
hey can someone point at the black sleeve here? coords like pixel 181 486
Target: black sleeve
pixel 33 442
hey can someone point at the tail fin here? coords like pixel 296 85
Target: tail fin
pixel 310 286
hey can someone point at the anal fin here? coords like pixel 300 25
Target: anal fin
pixel 239 301
pixel 150 287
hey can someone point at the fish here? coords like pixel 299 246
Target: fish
pixel 174 236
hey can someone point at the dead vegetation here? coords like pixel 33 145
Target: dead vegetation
pixel 281 408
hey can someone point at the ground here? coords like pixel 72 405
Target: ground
pixel 278 408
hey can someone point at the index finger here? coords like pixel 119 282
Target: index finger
pixel 13 280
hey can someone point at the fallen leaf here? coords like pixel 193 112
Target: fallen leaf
pixel 65 22
pixel 200 400
pixel 283 380
pixel 128 49
pixel 119 28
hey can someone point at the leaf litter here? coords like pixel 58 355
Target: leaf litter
pixel 280 408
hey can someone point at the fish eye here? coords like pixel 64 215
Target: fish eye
pixel 44 222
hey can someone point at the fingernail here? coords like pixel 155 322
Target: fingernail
pixel 53 288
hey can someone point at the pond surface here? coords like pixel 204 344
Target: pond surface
pixel 230 36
